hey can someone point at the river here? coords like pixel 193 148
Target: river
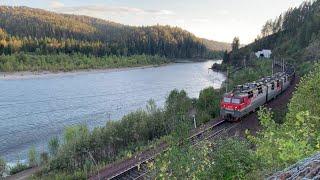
pixel 35 109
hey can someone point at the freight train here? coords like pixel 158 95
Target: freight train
pixel 248 97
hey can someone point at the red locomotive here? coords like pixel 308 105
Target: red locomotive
pixel 248 97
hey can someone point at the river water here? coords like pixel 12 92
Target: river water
pixel 34 110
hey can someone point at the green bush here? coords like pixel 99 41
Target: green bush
pixel 53 146
pixel 233 159
pixel 32 155
pixel 208 104
pixel 3 166
pixel 44 158
pixel 227 159
pixel 18 168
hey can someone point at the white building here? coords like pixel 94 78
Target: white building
pixel 265 53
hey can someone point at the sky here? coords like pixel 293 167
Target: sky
pixel 219 20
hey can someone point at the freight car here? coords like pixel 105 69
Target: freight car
pixel 248 97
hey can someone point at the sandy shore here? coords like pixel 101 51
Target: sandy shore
pixel 43 74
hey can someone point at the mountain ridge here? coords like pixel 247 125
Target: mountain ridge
pixel 164 40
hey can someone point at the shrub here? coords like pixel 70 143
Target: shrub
pixel 228 159
pixel 18 168
pixel 32 155
pixel 233 159
pixel 53 146
pixel 208 103
pixel 44 158
pixel 2 166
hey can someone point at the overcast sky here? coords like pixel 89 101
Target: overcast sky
pixel 219 20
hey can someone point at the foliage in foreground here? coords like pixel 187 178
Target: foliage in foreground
pixel 32 156
pixel 33 161
pixel 299 135
pixel 226 159
pixel 2 166
pixel 19 167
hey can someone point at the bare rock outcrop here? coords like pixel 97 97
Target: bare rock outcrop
pixel 307 169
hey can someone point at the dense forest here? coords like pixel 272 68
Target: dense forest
pixel 294 35
pixel 78 61
pixel 24 29
pixel 215 45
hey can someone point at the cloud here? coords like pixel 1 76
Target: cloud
pixel 200 20
pixel 56 4
pixel 223 12
pixel 103 9
pixel 159 12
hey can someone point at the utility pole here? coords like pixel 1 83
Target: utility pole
pixel 272 66
pixel 194 121
pixel 95 163
pixel 227 79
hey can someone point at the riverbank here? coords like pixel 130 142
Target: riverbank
pixel 46 74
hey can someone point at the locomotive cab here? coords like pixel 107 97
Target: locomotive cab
pixel 232 107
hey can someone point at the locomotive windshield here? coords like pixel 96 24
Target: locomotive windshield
pixel 236 101
pixel 232 100
pixel 227 100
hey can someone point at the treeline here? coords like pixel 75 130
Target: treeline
pixel 294 35
pixel 37 31
pixel 64 62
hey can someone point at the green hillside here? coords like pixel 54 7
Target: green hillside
pixel 39 31
pixel 216 45
pixel 294 35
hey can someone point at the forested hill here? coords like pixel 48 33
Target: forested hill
pixel 294 35
pixel 39 31
pixel 216 45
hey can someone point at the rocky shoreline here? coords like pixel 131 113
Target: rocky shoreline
pixel 307 169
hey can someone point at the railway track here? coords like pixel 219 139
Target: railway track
pixel 139 169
